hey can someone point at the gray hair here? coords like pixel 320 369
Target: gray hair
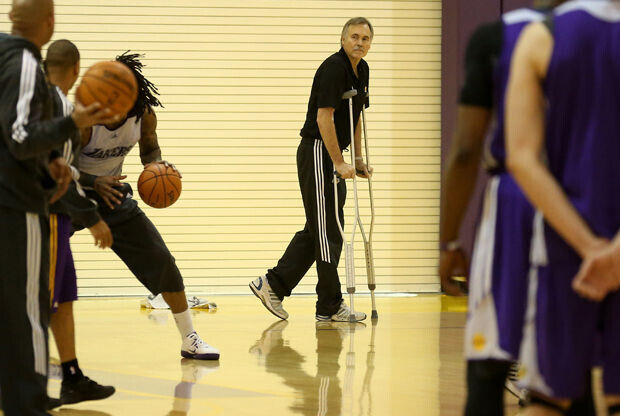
pixel 357 21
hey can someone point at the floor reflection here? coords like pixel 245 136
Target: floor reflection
pixel 321 393
pixel 191 372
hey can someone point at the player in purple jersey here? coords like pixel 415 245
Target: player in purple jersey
pixel 499 291
pixel 562 124
pixel 62 67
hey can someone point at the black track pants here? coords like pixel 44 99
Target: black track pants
pixel 24 312
pixel 320 240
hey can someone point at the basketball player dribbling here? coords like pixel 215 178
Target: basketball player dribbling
pixel 136 240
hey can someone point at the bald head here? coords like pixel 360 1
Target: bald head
pixel 33 20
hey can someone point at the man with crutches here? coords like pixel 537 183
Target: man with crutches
pixel 326 133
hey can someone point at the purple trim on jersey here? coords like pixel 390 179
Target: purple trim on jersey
pixel 583 121
pixel 511 29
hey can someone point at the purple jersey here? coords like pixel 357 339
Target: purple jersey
pixel 567 334
pixel 512 24
pixel 583 119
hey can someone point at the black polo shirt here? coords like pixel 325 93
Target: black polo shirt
pixel 332 79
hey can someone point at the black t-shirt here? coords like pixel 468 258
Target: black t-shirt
pixel 483 51
pixel 332 79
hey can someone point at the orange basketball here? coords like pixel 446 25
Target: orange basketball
pixel 112 84
pixel 159 186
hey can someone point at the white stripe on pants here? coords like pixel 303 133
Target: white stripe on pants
pixel 33 270
pixel 320 201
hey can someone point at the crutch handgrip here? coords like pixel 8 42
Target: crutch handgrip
pixel 349 94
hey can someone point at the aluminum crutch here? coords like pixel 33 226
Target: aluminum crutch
pixel 349 255
pixel 370 260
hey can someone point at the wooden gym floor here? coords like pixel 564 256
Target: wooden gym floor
pixel 409 363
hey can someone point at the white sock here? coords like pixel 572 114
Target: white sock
pixel 184 323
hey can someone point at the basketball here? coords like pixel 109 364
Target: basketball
pixel 159 186
pixel 112 84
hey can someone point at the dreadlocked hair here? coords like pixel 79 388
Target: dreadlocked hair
pixel 147 91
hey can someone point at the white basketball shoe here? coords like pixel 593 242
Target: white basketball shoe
pixel 194 347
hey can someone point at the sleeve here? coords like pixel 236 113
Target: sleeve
pixel 482 51
pixel 332 81
pixel 25 132
pixel 83 210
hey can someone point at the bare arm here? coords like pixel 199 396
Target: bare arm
pixel 85 135
pixel 358 138
pixel 149 147
pixel 458 184
pixel 362 169
pixel 462 166
pixel 325 120
pixel 525 139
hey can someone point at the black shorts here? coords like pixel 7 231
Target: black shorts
pixel 138 243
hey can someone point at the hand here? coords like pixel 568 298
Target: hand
pixel 168 164
pixel 363 170
pixel 105 187
pixel 61 173
pixel 102 234
pixel 453 263
pixel 345 170
pixel 85 117
pixel 599 273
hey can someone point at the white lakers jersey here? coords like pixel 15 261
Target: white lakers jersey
pixel 106 150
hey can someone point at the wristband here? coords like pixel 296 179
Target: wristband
pixel 359 158
pixel 87 180
pixel 450 245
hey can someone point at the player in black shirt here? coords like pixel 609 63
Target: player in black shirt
pixel 29 173
pixel 325 134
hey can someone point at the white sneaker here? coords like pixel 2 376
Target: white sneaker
pixel 343 315
pixel 514 374
pixel 263 291
pixel 193 302
pixel 194 347
pixel 154 302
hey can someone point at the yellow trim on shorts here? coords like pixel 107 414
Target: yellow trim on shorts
pixel 53 254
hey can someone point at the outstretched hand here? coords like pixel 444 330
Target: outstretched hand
pixel 106 187
pixel 85 117
pixel 168 164
pixel 102 234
